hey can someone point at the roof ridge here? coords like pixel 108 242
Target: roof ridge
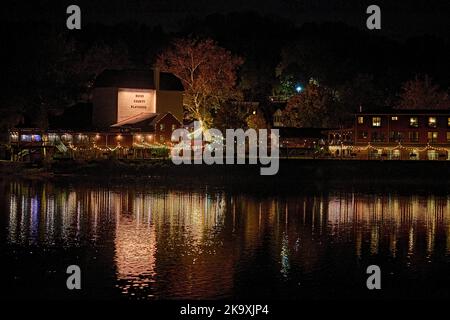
pixel 120 123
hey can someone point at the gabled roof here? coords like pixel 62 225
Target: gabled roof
pixel 136 119
pixel 137 79
pixel 144 120
pixel 156 119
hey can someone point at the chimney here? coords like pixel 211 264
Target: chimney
pixel 156 77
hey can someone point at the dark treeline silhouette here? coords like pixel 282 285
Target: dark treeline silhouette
pixel 49 68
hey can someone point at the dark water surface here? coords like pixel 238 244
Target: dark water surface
pixel 139 241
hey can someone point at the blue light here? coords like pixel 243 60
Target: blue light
pixel 298 88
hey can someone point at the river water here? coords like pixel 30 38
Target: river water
pixel 150 241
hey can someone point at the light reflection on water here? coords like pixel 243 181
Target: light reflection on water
pixel 168 243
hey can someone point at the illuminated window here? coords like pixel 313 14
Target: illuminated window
pixel 432 122
pixel 432 136
pixel 67 138
pixel 139 138
pixel 361 120
pixel 174 127
pixel 80 138
pixel 448 136
pixel 25 138
pixel 36 138
pixel 414 155
pixel 414 136
pixel 161 127
pixel 414 122
pixel 375 153
pixel 395 118
pixel 14 137
pixel 395 154
pixel 432 155
pixel 161 138
pixel 448 122
pixel 376 121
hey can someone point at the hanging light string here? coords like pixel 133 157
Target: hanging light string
pixel 145 145
pixel 106 149
pixel 399 147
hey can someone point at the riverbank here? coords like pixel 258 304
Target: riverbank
pixel 290 170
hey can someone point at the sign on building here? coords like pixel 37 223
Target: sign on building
pixel 131 102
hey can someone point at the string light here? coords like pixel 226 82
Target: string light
pixel 400 147
pixel 106 149
pixel 145 145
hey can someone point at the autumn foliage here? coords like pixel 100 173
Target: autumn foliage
pixel 310 108
pixel 256 121
pixel 423 94
pixel 208 74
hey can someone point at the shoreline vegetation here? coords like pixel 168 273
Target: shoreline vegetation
pixel 291 171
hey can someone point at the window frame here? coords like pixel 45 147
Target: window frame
pixel 430 124
pixel 376 124
pixel 433 139
pixel 411 124
pixel 360 120
pixel 416 136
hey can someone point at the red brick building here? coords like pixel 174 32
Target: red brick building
pixel 395 134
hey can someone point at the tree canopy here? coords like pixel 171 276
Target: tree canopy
pixel 421 93
pixel 208 73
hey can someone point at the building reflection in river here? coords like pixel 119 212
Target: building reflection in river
pixel 196 244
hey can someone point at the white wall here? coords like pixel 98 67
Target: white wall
pixel 131 102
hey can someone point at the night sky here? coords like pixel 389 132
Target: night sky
pixel 400 18
pixel 281 41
